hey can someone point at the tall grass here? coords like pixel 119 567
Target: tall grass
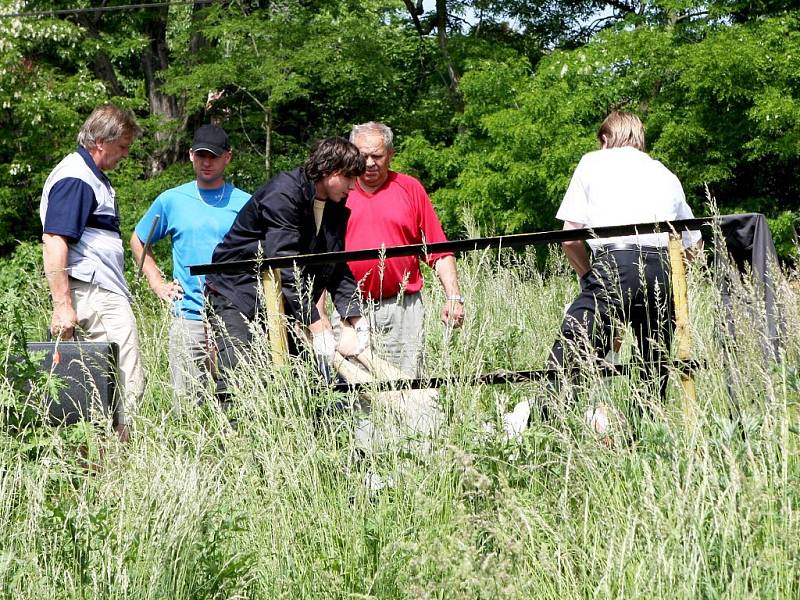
pixel 278 508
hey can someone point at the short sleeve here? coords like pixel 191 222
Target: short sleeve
pixel 70 203
pixel 145 224
pixel 430 226
pixel 684 211
pixel 574 207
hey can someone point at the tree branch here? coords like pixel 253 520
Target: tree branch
pixel 621 6
pixel 415 10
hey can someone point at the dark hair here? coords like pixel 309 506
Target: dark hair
pixel 334 155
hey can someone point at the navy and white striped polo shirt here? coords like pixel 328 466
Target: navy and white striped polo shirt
pixel 79 204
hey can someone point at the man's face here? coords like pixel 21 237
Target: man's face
pixel 336 186
pixel 208 167
pixel 110 153
pixel 378 160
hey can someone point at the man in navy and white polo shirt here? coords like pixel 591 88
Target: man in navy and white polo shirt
pixel 83 251
pixel 195 216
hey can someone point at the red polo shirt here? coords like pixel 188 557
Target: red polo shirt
pixel 400 212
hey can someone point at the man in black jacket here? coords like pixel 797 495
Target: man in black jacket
pixel 296 212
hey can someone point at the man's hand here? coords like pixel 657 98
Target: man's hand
pixel 453 312
pixel 63 321
pixel 355 337
pixel 169 291
pixel 324 345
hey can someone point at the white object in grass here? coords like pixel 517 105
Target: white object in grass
pixel 374 482
pixel 597 418
pixel 613 357
pixel 515 422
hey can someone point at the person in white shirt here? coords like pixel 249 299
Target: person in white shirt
pixel 628 282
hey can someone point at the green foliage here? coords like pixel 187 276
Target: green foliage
pixel 714 82
pixel 23 287
pixel 719 101
pixel 279 508
pixel 25 389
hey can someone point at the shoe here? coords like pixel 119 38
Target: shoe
pixel 597 419
pixel 515 422
pixel 375 482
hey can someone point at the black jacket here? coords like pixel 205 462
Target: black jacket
pixel 279 217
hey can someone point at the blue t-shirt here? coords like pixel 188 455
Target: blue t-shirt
pixel 196 221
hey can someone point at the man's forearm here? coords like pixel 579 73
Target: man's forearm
pixel 577 256
pixel 55 253
pixel 149 267
pixel 322 306
pixel 448 274
pixel 576 251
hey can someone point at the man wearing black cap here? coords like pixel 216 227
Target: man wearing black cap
pixel 196 216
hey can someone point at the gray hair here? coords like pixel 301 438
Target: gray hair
pixel 107 123
pixel 375 128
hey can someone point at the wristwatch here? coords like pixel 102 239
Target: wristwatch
pixel 459 299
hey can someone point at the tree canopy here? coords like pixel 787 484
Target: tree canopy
pixel 493 103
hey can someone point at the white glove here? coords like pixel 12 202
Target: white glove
pixel 324 345
pixel 362 334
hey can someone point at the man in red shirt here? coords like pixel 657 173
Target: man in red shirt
pixel 392 209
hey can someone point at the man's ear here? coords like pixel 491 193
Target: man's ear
pixel 604 141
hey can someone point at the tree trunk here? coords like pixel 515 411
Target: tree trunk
pixel 170 112
pixel 268 142
pixel 439 20
pixel 441 35
pixel 102 67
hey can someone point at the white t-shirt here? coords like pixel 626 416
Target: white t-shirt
pixel 622 186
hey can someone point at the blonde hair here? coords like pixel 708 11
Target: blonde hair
pixel 107 123
pixel 622 129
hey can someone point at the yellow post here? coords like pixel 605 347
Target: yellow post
pixel 683 337
pixel 273 297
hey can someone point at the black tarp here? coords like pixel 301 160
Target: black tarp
pixel 750 250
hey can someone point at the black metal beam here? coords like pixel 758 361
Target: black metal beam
pixel 519 240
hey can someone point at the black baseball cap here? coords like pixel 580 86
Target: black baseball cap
pixel 211 138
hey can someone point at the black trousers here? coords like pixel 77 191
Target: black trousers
pixel 623 287
pixel 232 337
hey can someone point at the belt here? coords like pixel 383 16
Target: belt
pixel 371 300
pixel 641 249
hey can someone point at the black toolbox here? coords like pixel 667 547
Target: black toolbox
pixel 88 372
